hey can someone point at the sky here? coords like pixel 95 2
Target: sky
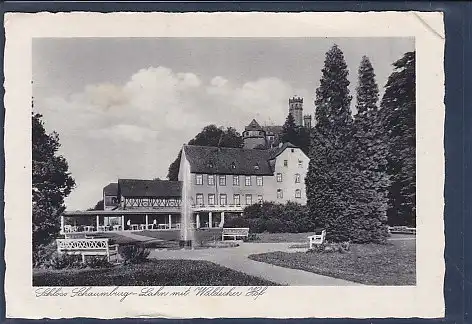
pixel 123 107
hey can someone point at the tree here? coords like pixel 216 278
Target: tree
pixel 299 136
pixel 51 183
pixel 331 176
pixel 289 131
pixel 210 135
pixel 98 206
pixel 370 159
pixel 398 117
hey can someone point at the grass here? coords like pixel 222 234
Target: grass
pixel 151 273
pixel 370 264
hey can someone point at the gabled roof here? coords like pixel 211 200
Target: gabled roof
pixel 224 160
pixel 253 125
pixel 111 189
pixel 277 151
pixel 150 188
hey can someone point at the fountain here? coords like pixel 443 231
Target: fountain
pixel 187 231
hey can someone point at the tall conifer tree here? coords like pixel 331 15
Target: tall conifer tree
pixel 331 175
pixel 370 159
pixel 398 115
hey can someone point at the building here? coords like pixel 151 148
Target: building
pixel 226 180
pixel 221 181
pixel 256 136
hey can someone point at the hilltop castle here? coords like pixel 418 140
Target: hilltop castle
pixel 263 137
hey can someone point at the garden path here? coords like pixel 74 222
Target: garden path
pixel 237 259
pixel 140 238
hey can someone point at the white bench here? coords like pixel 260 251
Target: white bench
pixel 235 233
pixel 87 246
pixel 317 239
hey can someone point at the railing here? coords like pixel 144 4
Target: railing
pixel 402 230
pixel 81 244
pixel 87 247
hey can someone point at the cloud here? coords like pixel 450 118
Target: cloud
pixel 135 129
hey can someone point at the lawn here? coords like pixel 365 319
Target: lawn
pixel 370 264
pixel 151 273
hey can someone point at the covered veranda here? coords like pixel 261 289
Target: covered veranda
pixel 119 220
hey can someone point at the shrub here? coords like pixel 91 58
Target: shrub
pixel 134 253
pixel 43 254
pixel 96 262
pixel 342 247
pixel 251 237
pixel 65 261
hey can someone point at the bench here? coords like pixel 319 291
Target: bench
pixel 317 239
pixel 235 233
pixel 87 246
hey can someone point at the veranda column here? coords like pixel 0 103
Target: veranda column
pixel 122 222
pixel 62 223
pixel 170 221
pixel 222 221
pixel 210 220
pixel 98 222
pixel 147 221
pixel 198 220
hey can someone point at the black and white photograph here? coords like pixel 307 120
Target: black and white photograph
pixel 287 161
pixel 218 162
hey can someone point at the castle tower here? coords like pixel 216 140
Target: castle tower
pixel 295 107
pixel 307 121
pixel 254 136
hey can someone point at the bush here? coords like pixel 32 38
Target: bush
pixel 96 262
pixel 134 253
pixel 278 218
pixel 43 254
pixel 342 247
pixel 251 237
pixel 65 261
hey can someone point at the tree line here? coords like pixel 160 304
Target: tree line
pixel 361 174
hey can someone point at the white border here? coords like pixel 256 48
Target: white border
pixel 424 300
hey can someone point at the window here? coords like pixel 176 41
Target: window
pixel 285 163
pixel 293 150
pixel 298 193
pixel 235 180
pixel 211 180
pixel 300 163
pixel 223 199
pixel 237 200
pixel 280 194
pixel 259 181
pixel 297 178
pixel 199 179
pixel 199 199
pixel 222 180
pixel 233 165
pixel 211 199
pixel 248 199
pixel 259 199
pixel 248 181
pixel 279 177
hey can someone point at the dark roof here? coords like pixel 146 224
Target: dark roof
pixel 253 125
pixel 273 129
pixel 111 189
pixel 224 160
pixel 149 188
